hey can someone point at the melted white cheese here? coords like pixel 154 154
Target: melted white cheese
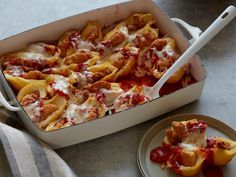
pixel 15 70
pixel 103 49
pixel 61 84
pixel 188 147
pixel 170 52
pixel 36 52
pixel 33 110
pixel 110 95
pixel 79 43
pixel 73 112
pixel 32 56
pixel 122 102
pixel 84 112
pixel 159 54
pixel 132 37
pixel 134 50
pixel 85 45
pixel 167 49
pixel 194 140
pixel 124 30
pixel 85 77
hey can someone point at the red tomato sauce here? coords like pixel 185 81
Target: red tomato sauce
pixel 195 126
pixel 167 153
pixel 130 81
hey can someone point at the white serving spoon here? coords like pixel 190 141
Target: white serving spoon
pixel 206 36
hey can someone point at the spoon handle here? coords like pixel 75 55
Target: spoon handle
pixel 206 36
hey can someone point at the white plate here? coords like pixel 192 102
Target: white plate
pixel 154 137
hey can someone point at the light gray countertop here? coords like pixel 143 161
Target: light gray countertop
pixel 115 155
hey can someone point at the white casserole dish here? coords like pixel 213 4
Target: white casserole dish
pixel 124 119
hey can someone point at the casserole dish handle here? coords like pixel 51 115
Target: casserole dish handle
pixel 4 103
pixel 195 32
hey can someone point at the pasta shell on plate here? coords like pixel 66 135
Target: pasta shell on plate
pixel 223 150
pixel 182 147
pixel 192 170
pixel 91 109
pixel 185 148
pixel 184 132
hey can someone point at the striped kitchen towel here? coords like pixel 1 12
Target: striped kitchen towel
pixel 28 156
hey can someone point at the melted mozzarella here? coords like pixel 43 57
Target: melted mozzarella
pixel 101 47
pixel 15 70
pixel 61 84
pixel 134 50
pixel 167 49
pixel 132 37
pixel 105 51
pixel 89 110
pixel 76 113
pixel 109 96
pixel 122 102
pixel 32 56
pixel 33 110
pixel 79 43
pixel 159 54
pixel 124 30
pixel 188 147
pixel 36 52
pixel 85 77
pixel 170 52
pixel 194 140
pixel 85 45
